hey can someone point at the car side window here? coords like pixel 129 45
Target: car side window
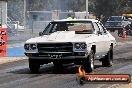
pixel 96 27
pixel 101 28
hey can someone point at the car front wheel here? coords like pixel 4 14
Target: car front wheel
pixel 107 61
pixel 34 67
pixel 88 64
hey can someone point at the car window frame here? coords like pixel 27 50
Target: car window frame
pixel 102 30
pixel 96 28
pixel 53 23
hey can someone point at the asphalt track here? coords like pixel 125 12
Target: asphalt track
pixel 17 74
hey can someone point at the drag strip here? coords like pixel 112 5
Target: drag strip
pixel 17 74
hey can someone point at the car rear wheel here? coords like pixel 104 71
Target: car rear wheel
pixel 88 64
pixel 34 67
pixel 107 61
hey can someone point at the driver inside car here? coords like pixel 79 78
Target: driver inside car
pixel 61 27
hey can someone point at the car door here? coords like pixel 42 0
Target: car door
pixel 98 40
pixel 105 40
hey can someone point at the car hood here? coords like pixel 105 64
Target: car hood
pixel 60 36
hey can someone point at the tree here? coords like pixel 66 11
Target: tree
pixel 106 8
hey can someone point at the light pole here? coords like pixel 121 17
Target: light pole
pixel 24 15
pixel 1 15
pixel 86 9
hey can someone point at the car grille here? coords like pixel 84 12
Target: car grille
pixel 55 47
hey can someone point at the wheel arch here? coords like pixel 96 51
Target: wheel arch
pixel 93 48
pixel 111 45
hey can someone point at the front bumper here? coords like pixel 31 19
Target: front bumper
pixel 57 55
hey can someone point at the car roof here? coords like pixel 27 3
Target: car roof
pixel 63 20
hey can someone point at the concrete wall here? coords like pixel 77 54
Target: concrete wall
pixel 3 13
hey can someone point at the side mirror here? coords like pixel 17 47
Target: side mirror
pixel 99 33
pixel 40 33
pixel 105 31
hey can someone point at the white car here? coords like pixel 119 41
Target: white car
pixel 79 41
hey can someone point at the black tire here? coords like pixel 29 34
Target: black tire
pixel 34 67
pixel 107 61
pixel 88 64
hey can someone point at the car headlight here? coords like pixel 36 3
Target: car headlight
pixel 80 46
pixel 76 45
pixel 30 46
pixel 26 46
pixel 83 45
pixel 33 46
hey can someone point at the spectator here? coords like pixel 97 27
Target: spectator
pixel 69 17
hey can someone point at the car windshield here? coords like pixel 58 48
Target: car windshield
pixel 115 19
pixel 77 26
